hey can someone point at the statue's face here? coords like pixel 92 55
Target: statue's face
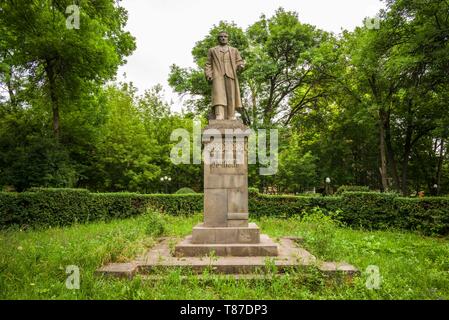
pixel 223 39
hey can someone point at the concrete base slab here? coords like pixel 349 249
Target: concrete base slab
pixel 290 256
pixel 121 270
pixel 221 235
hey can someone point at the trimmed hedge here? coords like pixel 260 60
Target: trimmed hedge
pixel 287 206
pixel 57 207
pixel 382 210
pixel 370 210
pixel 342 189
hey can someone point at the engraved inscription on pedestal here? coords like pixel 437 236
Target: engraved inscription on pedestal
pixel 226 176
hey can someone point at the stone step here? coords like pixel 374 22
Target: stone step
pixel 225 235
pixel 265 247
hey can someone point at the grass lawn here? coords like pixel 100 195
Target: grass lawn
pixel 33 263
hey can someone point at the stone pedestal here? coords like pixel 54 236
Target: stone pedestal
pixel 225 174
pixel 225 229
pixel 202 234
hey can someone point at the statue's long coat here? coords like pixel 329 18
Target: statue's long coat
pixel 215 68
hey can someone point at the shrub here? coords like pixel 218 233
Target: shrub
pixel 253 191
pixel 185 191
pixel 320 230
pixel 156 224
pixel 41 189
pixel 287 206
pixel 371 210
pixel 388 210
pixel 342 189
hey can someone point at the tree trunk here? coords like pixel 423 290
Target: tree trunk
pixel 390 152
pixel 12 97
pixel 51 76
pixel 440 166
pixel 269 105
pixel 381 112
pixel 383 159
pixel 254 108
pixel 407 150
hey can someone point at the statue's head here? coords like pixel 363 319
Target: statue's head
pixel 223 38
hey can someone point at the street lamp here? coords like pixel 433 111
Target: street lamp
pixel 165 180
pixel 328 181
pixel 435 187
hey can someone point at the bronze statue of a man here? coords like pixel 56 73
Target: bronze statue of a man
pixel 223 63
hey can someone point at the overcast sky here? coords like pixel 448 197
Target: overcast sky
pixel 166 30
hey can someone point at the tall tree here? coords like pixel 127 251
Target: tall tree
pixel 61 60
pixel 284 65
